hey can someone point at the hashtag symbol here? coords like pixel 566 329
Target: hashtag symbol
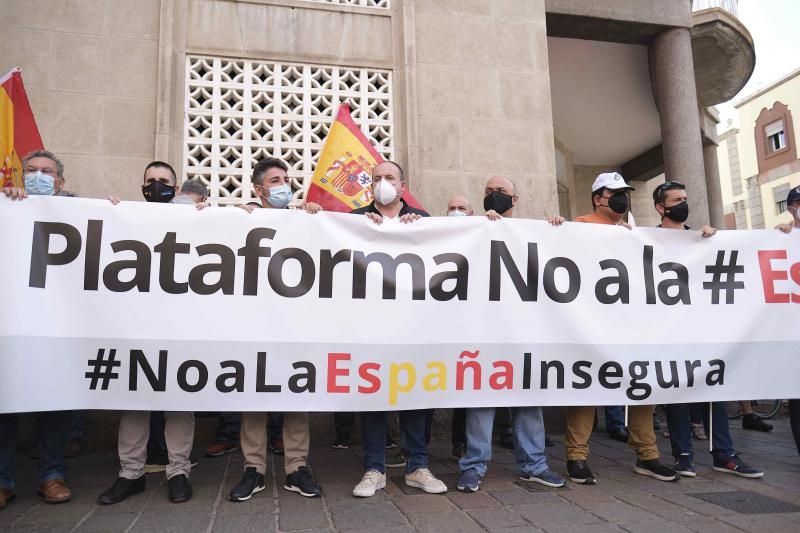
pixel 103 369
pixel 724 277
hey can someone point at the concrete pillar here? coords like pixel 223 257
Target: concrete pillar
pixel 715 210
pixel 676 99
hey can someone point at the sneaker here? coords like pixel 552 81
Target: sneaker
pixel 656 469
pixel 302 482
pixel 193 460
pixel 396 460
pixel 276 445
pixel 341 443
pixel 218 449
pixel 469 481
pixel 156 462
pixel 251 483
pixel 734 465
pixel 422 478
pixel 685 466
pixel 458 451
pixel 390 443
pixel 548 478
pixel 580 473
pixel 754 422
pixel 369 484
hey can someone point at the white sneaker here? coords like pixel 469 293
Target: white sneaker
pixel 422 478
pixel 371 482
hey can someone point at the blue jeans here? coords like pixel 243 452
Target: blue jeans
pixel 228 428
pixel 615 417
pixel 680 430
pixel 52 439
pixel 413 427
pixel 528 427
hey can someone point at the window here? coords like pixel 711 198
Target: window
pixel 779 194
pixel 781 207
pixel 241 111
pixel 776 137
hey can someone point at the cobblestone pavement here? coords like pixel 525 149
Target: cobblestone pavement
pixel 621 501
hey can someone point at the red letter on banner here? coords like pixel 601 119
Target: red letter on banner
pixel 373 380
pixel 769 276
pixel 334 372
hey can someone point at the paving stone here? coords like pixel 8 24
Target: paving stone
pixel 500 517
pixel 237 523
pixel 172 522
pixel 424 504
pixel 107 523
pixel 366 514
pixel 549 516
pixel 760 523
pixel 475 500
pixel 452 522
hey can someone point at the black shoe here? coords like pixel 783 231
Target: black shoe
pixel 685 466
pixel 121 489
pixel 341 443
pixel 193 460
pixel 251 483
pixel 620 434
pixel 302 482
pixel 656 469
pixel 753 421
pixel 579 472
pixel 179 489
pixel 507 441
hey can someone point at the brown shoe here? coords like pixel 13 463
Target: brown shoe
pixel 6 495
pixel 55 491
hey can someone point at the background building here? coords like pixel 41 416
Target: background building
pixel 758 160
pixel 548 92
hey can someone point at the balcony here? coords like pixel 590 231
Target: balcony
pixel 724 56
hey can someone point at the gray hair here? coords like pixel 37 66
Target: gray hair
pixel 194 186
pixel 49 155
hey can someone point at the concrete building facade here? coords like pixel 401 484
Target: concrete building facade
pixel 758 160
pixel 547 92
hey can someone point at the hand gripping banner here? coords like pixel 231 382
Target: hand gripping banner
pixel 163 307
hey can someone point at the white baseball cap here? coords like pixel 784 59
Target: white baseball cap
pixel 610 180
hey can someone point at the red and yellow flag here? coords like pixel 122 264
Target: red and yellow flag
pixel 18 132
pixel 342 179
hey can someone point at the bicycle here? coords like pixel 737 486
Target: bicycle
pixel 765 409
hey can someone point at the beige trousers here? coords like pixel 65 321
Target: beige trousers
pixel 296 441
pixel 640 427
pixel 134 430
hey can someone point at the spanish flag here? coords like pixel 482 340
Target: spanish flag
pixel 18 132
pixel 342 179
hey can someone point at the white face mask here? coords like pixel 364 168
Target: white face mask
pixel 384 192
pixel 456 213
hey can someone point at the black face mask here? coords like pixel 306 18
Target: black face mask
pixel 158 192
pixel 678 213
pixel 618 202
pixel 498 201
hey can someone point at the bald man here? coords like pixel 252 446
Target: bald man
pixel 459 206
pixel 500 197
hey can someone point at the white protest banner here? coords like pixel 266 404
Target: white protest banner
pixel 163 307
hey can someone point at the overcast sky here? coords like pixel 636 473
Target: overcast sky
pixel 775 27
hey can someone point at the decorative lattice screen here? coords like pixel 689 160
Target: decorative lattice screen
pixel 241 111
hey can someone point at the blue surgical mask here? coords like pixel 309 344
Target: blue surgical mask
pixel 456 213
pixel 40 184
pixel 280 196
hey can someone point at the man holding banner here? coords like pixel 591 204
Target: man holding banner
pixel 388 183
pixel 527 422
pixel 671 202
pixel 610 204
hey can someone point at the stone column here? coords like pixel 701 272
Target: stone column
pixel 676 98
pixel 715 210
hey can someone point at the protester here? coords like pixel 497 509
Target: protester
pixel 672 204
pixel 140 435
pixel 610 204
pixel 271 186
pixel 44 176
pixel 388 183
